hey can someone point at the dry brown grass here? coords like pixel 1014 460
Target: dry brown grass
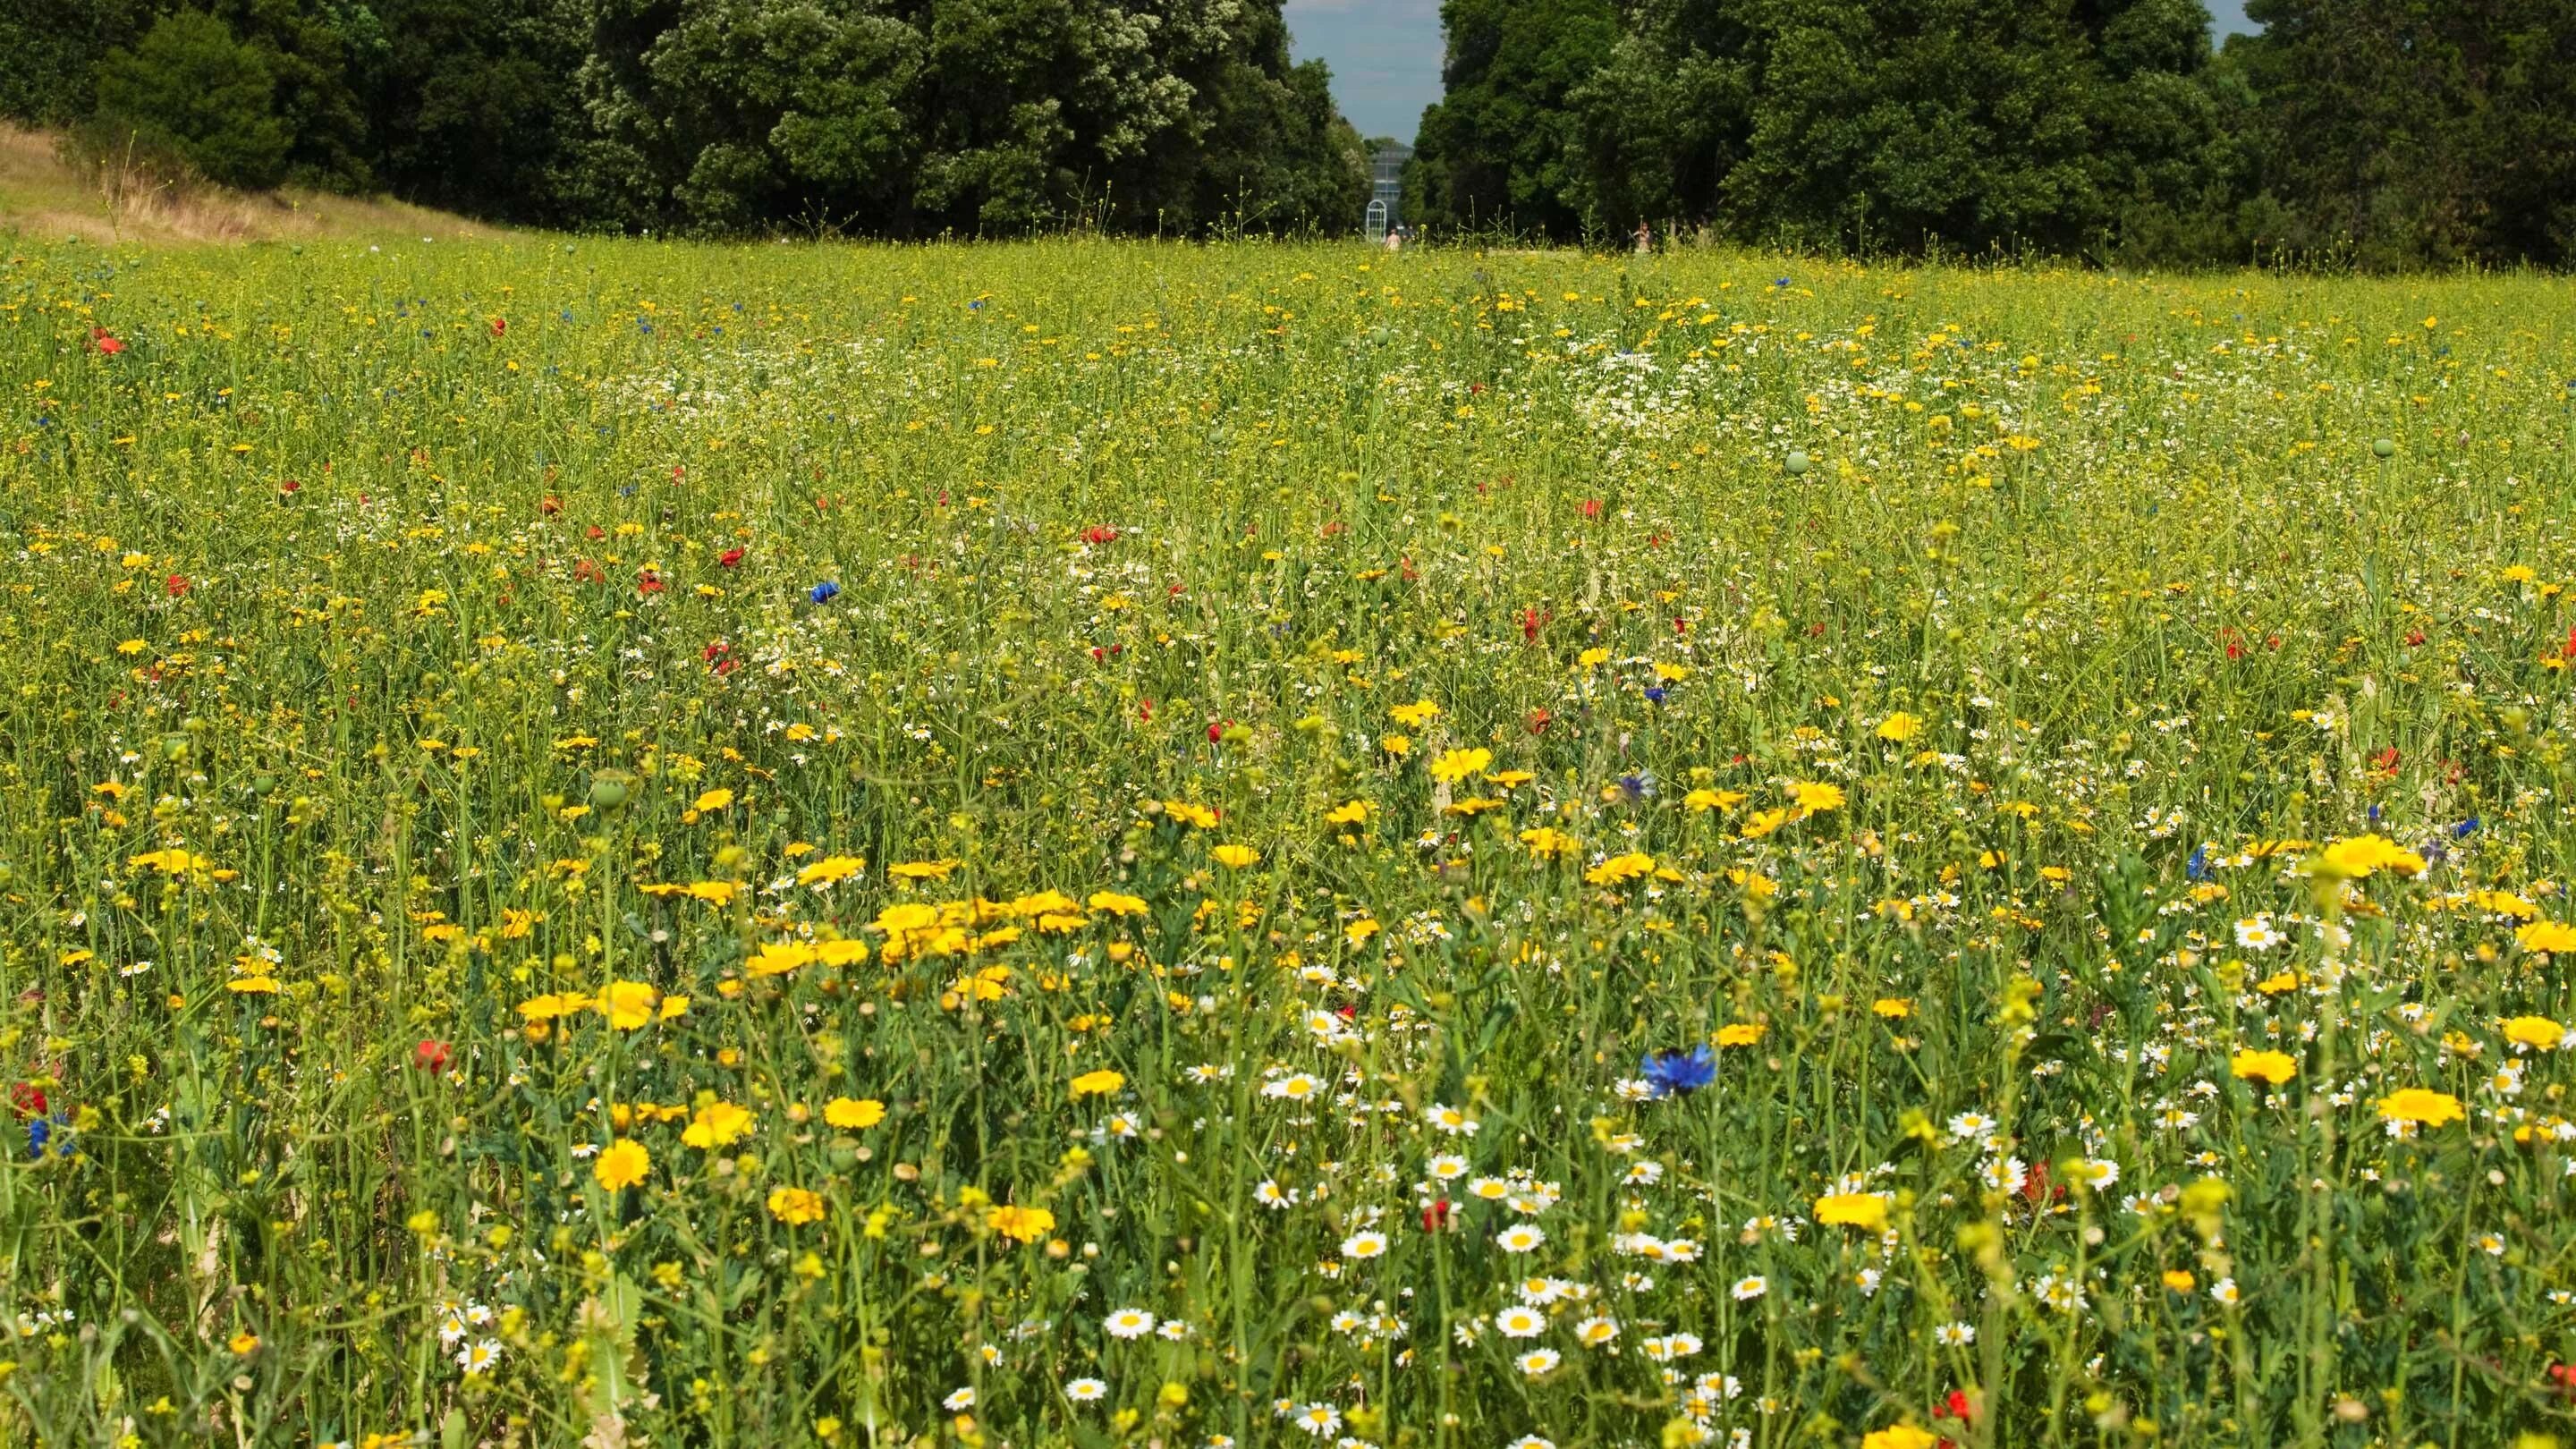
pixel 44 196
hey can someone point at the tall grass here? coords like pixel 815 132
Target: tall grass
pixel 1180 845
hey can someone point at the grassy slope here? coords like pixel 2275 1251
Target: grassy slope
pixel 42 198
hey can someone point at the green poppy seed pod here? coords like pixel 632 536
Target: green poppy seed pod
pixel 611 789
pixel 2384 447
pixel 174 747
pixel 1797 464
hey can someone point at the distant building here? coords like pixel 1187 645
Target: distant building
pixel 1386 188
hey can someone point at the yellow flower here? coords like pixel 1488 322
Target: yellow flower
pixel 1853 1210
pixel 1547 843
pixel 1116 904
pixel 2178 1280
pixel 623 1165
pixel 1359 931
pixel 1415 715
pixel 718 1124
pixel 628 1004
pixel 2358 857
pixel 2420 1104
pixel 1189 814
pixel 2534 1031
pixel 712 800
pixel 244 1345
pixel 1815 797
pixel 1894 1008
pixel 1763 822
pixel 2258 1066
pixel 854 1113
pixel 795 1206
pixel 1592 658
pixel 1620 869
pixel 1236 857
pixel 1397 745
pixel 2551 936
pixel 1704 799
pixel 1899 728
pixel 551 1005
pixel 921 870
pixel 1097 1084
pixel 253 985
pixel 1456 765
pixel 1352 812
pixel 1899 1436
pixel 1741 1033
pixel 829 869
pixel 1020 1224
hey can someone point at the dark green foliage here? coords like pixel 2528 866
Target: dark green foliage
pixel 878 117
pixel 2420 132
pixel 1902 124
pixel 193 90
pixel 1503 147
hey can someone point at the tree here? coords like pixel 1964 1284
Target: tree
pixel 194 90
pixel 2420 132
pixel 474 103
pixel 1502 147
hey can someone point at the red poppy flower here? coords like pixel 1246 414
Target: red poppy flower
pixel 430 1056
pixel 1436 1216
pixel 550 505
pixel 178 586
pixel 500 325
pixel 1531 622
pixel 107 345
pixel 584 571
pixel 730 558
pixel 648 582
pixel 1592 508
pixel 1100 533
pixel 1539 720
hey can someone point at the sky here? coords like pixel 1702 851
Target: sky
pixel 1385 55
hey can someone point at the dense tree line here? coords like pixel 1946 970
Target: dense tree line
pixel 2384 133
pixel 878 117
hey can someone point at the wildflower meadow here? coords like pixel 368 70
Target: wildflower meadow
pixel 1094 843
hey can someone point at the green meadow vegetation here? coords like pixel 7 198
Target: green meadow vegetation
pixel 1096 843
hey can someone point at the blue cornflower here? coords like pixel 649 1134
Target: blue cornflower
pixel 2465 828
pixel 824 592
pixel 1639 786
pixel 2373 812
pixel 1670 1074
pixel 46 1134
pixel 1654 694
pixel 2197 868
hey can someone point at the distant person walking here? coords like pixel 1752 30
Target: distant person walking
pixel 1395 238
pixel 1645 239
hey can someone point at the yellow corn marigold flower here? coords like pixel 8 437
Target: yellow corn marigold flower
pixel 1116 904
pixel 2261 1066
pixel 1894 1008
pixel 1353 812
pixel 795 1206
pixel 1741 1033
pixel 2360 856
pixel 921 870
pixel 1189 814
pixel 621 1166
pixel 1763 822
pixel 2537 1032
pixel 628 1004
pixel 2550 936
pixel 1899 728
pixel 1815 797
pixel 2179 1281
pixel 829 869
pixel 717 1124
pixel 1548 843
pixel 2421 1105
pixel 1853 1210
pixel 1098 1084
pixel 1236 857
pixel 712 800
pixel 854 1113
pixel 1620 869
pixel 1456 765
pixel 1020 1224
pixel 1415 715
pixel 1899 1436
pixel 1704 799
pixel 1359 931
